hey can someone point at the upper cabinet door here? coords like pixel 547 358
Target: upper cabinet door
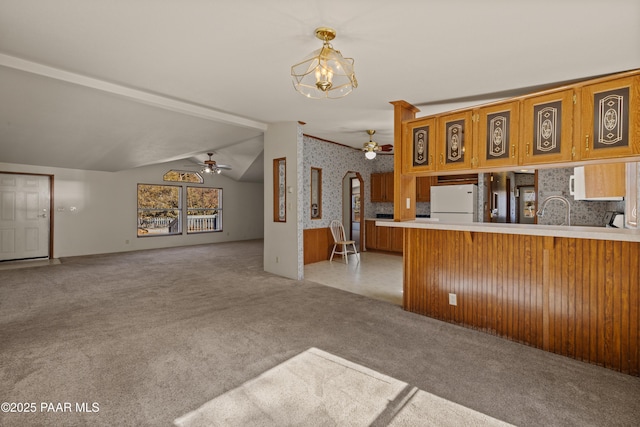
pixel 454 145
pixel 419 142
pixel 609 119
pixel 497 137
pixel 377 187
pixel 547 128
pixel 423 189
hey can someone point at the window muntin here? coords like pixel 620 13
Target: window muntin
pixel 204 209
pixel 159 210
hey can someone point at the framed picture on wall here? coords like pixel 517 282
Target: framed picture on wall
pixel 316 193
pixel 280 190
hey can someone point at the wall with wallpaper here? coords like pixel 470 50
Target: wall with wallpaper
pixel 336 161
pixel 587 213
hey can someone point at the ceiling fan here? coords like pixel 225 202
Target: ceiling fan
pixel 210 166
pixel 370 148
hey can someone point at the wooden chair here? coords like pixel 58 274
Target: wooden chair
pixel 339 239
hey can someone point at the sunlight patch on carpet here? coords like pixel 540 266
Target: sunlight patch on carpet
pixel 318 388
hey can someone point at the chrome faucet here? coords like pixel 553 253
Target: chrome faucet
pixel 540 212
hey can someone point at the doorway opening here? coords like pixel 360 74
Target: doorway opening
pixel 526 196
pixel 512 197
pixel 353 207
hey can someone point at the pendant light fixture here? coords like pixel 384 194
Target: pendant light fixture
pixel 324 73
pixel 370 147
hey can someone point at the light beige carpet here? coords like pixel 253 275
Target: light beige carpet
pixel 318 388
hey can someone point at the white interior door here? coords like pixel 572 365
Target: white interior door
pixel 24 216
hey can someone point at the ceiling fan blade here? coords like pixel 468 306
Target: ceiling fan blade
pixel 386 147
pixel 224 167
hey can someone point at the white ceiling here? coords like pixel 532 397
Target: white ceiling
pixel 116 84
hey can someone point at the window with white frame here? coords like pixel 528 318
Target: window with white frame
pixel 204 209
pixel 159 210
pixel 162 210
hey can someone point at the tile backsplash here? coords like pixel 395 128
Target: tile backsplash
pixel 552 182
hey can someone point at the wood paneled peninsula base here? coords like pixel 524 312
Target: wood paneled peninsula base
pixel 573 291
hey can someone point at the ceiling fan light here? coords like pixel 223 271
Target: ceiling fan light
pixel 370 147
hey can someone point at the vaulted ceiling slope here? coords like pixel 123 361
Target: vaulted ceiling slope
pixel 114 85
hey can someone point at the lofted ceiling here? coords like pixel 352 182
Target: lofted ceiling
pixel 112 85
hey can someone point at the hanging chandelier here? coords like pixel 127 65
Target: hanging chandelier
pixel 371 147
pixel 324 73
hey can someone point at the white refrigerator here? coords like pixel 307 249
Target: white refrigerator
pixel 454 203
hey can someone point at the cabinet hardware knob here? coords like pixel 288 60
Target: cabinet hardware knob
pixel 586 146
pixel 527 150
pixel 513 151
pixel 441 159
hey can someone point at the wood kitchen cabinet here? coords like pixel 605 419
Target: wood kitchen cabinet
pixel 387 239
pixel 609 119
pixel 605 180
pixel 598 182
pixel 591 122
pixel 419 141
pixel 396 239
pixel 454 141
pixel 382 187
pixel 370 234
pixel 547 128
pixel 377 187
pixel 383 238
pixel 497 137
pixel 423 189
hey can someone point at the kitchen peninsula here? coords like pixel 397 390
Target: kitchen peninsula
pixel 569 290
pixel 573 291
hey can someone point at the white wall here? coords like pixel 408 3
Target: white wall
pixel 106 209
pixel 283 249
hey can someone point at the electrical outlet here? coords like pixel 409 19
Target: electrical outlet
pixel 452 299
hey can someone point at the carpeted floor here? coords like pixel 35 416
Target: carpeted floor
pixel 328 390
pixel 144 338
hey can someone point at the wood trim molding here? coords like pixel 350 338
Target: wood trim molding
pixel 318 243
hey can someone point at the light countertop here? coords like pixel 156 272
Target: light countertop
pixel 577 232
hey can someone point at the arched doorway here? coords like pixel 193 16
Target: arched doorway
pixel 353 207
